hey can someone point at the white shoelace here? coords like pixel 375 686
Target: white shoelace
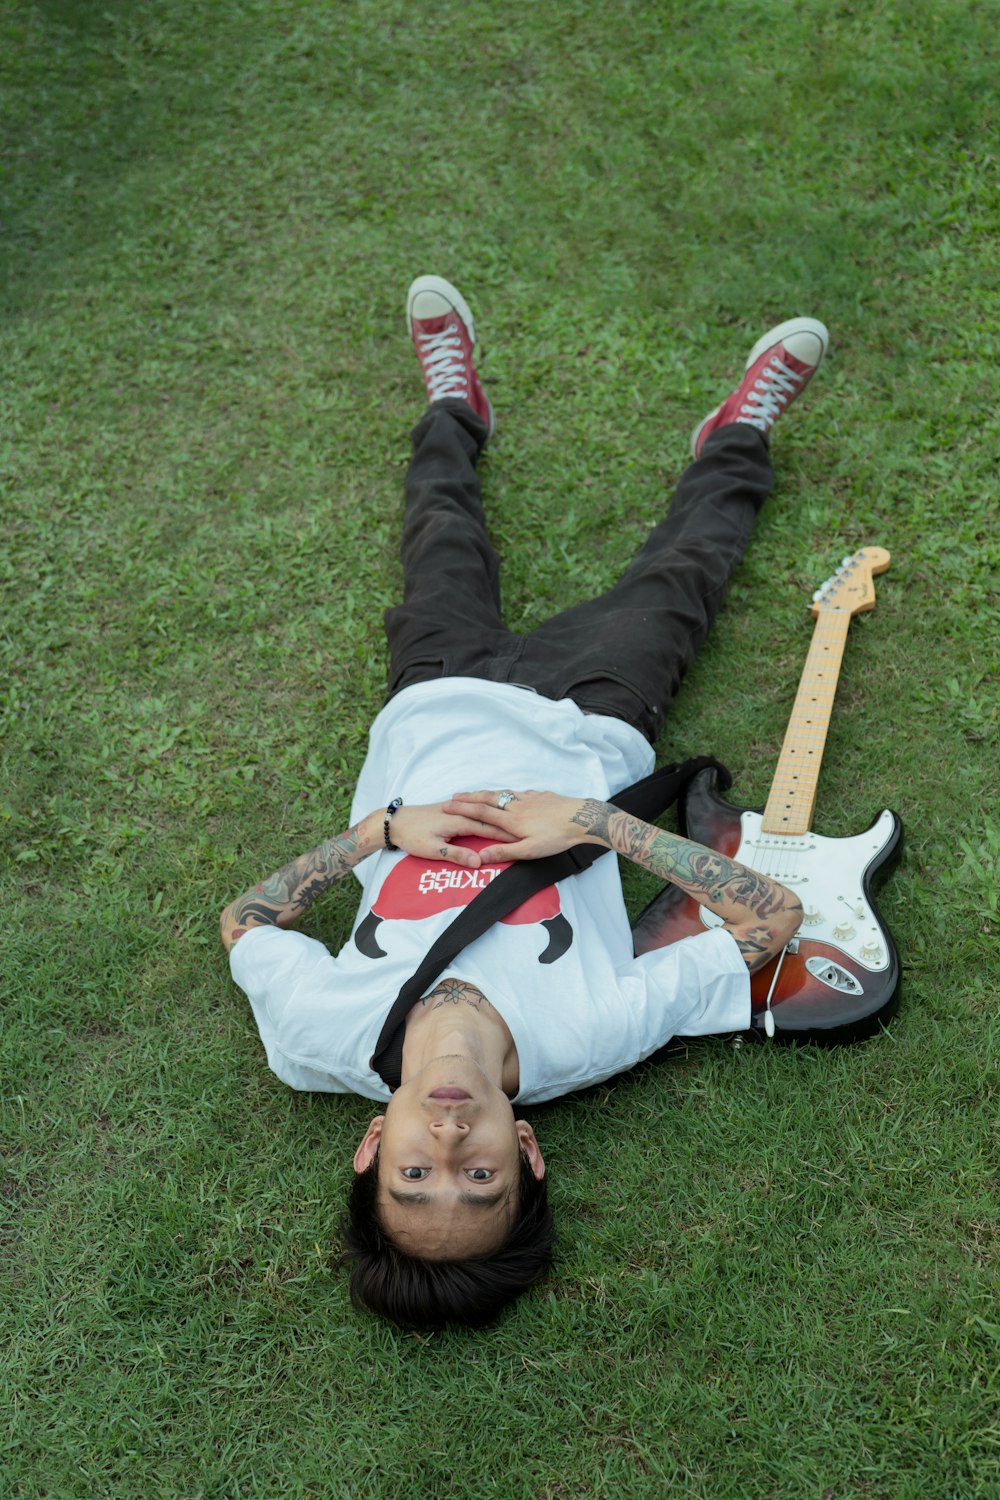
pixel 772 391
pixel 444 369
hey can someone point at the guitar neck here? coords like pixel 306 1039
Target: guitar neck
pixel 792 797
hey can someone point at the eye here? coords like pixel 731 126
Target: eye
pixel 414 1174
pixel 480 1174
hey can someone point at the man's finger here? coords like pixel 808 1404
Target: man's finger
pixel 499 798
pixel 494 854
pixel 467 807
pixel 479 826
pixel 459 855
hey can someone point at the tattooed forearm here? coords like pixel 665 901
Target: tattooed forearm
pixel 758 946
pixel 705 873
pixel 283 896
pixel 714 876
pixel 761 914
pixel 293 888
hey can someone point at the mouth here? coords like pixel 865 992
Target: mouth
pixel 449 1094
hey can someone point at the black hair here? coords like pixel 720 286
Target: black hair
pixel 417 1293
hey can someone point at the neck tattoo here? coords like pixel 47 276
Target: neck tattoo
pixel 455 992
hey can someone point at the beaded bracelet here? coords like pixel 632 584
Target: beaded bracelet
pixel 393 807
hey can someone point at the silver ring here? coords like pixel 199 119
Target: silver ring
pixel 505 799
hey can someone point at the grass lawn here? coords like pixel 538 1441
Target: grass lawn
pixel 777 1267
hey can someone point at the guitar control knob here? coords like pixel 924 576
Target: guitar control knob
pixel 845 931
pixel 812 918
pixel 871 952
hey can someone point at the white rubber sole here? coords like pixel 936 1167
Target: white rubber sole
pixel 784 331
pixel 443 289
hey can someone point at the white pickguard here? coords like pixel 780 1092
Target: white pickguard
pixel 827 876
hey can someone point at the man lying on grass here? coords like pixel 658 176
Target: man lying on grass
pixel 448 1216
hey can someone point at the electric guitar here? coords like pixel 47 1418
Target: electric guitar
pixel 838 979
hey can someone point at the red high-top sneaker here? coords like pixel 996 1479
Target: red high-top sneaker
pixel 780 365
pixel 444 337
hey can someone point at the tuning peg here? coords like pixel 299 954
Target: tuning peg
pixel 817 596
pixel 846 562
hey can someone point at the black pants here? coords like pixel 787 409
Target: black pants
pixel 622 654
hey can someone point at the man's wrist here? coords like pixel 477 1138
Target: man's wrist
pixel 595 818
pixel 368 836
pixel 392 808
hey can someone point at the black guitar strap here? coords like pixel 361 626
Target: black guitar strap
pixel 645 799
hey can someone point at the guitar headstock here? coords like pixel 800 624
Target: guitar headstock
pixel 851 588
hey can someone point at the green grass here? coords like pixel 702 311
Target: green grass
pixel 777 1269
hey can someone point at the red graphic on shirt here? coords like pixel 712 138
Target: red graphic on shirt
pixel 416 888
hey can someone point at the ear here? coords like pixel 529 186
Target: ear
pixel 365 1154
pixel 528 1144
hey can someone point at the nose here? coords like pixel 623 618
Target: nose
pixel 441 1129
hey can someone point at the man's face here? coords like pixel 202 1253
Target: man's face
pixel 449 1154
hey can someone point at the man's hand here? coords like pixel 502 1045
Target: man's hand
pixel 429 830
pixel 530 825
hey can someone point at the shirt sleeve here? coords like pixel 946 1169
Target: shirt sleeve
pixel 697 987
pixel 271 965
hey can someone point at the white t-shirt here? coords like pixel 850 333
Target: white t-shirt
pixel 560 969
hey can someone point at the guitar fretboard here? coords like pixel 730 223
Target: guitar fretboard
pixel 792 797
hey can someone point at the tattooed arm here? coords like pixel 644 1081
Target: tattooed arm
pixel 761 914
pixel 278 901
pixel 286 894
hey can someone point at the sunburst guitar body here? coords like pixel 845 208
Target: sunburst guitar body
pixel 839 978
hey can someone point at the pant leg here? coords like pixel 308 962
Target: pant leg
pixel 449 621
pixel 625 653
